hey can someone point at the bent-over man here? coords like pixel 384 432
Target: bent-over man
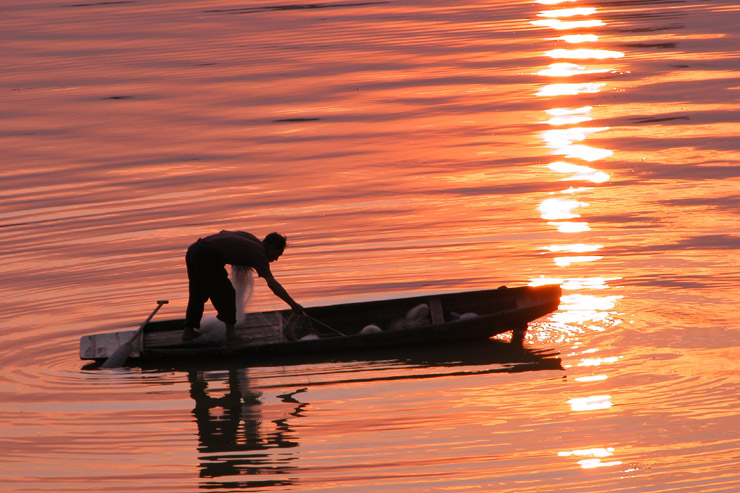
pixel 206 260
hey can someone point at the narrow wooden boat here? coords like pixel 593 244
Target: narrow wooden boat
pixel 362 326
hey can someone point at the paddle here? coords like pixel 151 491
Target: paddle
pixel 120 355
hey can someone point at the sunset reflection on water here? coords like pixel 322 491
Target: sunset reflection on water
pixel 405 148
pixel 581 309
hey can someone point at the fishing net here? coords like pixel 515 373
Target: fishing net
pixel 297 327
pixel 242 278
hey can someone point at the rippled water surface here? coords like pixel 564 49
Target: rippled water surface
pixel 404 146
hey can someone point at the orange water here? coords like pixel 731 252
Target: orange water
pixel 403 147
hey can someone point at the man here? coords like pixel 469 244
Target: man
pixel 206 260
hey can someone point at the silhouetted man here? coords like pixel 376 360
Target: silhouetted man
pixel 206 260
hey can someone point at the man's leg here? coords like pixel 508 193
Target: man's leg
pixel 231 335
pixel 197 294
pixel 194 313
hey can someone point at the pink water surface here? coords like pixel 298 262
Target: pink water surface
pixel 404 147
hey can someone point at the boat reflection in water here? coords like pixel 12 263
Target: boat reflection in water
pixel 247 440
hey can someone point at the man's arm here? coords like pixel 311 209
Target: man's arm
pixel 281 293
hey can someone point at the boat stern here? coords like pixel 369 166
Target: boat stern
pixel 101 346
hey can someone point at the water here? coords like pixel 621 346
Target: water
pixel 403 147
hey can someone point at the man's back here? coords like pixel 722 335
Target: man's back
pixel 240 248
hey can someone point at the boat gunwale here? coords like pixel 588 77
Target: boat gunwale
pixel 480 327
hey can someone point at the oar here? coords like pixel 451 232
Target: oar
pixel 120 355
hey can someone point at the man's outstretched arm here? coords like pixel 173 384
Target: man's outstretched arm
pixel 281 293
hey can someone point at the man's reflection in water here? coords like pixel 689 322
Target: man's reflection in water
pixel 234 441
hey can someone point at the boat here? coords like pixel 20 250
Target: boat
pixel 406 322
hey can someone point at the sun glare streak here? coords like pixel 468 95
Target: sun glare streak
pixel 578 312
pixel 591 303
pixel 544 281
pixel 572 190
pixel 586 312
pixel 571 227
pixel 569 111
pixel 592 403
pixel 593 463
pixel 598 361
pixel 560 208
pixel 579 172
pixel 569 70
pixel 568 120
pixel 562 141
pixel 589 283
pixel 584 54
pixel 575 248
pixel 566 261
pixel 584 152
pixel 574 283
pixel 564 137
pixel 593 452
pixel 595 455
pixel 566 116
pixel 568 12
pixel 571 89
pixel 591 378
pixel 565 25
pixel 579 38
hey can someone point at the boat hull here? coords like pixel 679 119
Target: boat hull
pixel 338 328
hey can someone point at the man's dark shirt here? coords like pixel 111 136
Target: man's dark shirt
pixel 240 248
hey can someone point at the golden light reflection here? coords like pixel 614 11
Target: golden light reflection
pixel 571 227
pixel 574 248
pixel 544 281
pixel 554 2
pixel 568 120
pixel 575 283
pixel 570 89
pixel 565 25
pixel 556 208
pixel 579 312
pixel 584 54
pixel 568 12
pixel 569 111
pixel 579 38
pixel 568 70
pixel 587 153
pixel 592 403
pixel 568 116
pixel 592 463
pixel 566 261
pixel 598 361
pixel 562 142
pixel 590 303
pixel 595 457
pixel 593 452
pixel 585 310
pixel 579 172
pixel 591 378
pixel 561 137
pixel 572 190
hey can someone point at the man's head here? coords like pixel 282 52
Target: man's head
pixel 274 246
